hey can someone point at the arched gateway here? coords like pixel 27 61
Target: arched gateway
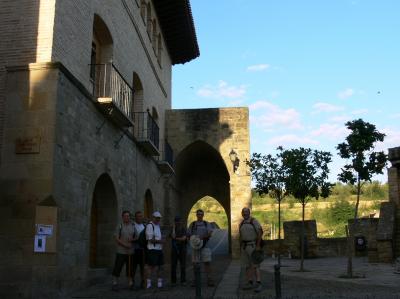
pixel 211 147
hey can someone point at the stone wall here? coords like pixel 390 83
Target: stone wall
pixel 223 129
pixel 45 101
pixel 292 233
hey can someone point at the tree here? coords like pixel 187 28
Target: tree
pixel 270 176
pixel 307 174
pixel 363 163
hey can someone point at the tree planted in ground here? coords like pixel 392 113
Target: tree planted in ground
pixel 307 178
pixel 362 163
pixel 270 176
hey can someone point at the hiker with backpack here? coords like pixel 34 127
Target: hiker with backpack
pixel 154 254
pixel 250 235
pixel 178 250
pixel 202 230
pixel 139 245
pixel 124 236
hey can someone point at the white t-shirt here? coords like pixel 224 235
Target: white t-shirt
pixel 150 234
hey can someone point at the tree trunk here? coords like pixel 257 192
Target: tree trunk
pixel 352 233
pixel 302 240
pixel 279 232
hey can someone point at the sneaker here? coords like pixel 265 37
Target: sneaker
pixel 258 288
pixel 148 285
pixel 159 283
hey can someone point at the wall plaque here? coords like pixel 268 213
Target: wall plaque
pixel 27 145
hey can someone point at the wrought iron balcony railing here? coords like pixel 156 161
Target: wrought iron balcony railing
pixel 166 158
pixel 112 91
pixel 147 132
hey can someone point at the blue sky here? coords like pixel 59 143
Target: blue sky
pixel 303 68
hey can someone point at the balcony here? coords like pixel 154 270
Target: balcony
pixel 166 159
pixel 113 94
pixel 146 132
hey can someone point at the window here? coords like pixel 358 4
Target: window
pixel 93 62
pixel 143 10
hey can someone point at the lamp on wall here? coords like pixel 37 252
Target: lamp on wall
pixel 233 156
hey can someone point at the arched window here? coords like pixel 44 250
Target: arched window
pixel 143 10
pixel 138 95
pixel 148 21
pixel 101 48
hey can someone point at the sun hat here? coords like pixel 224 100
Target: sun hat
pixel 157 214
pixel 257 256
pixel 195 242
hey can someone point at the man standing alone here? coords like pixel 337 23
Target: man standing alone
pixel 250 240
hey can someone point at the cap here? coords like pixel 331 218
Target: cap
pixel 178 218
pixel 157 214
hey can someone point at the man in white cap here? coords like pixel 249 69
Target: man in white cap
pixel 154 255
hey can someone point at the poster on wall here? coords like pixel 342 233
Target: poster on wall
pixel 44 229
pixel 40 243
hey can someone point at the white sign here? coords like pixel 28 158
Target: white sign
pixel 44 229
pixel 40 243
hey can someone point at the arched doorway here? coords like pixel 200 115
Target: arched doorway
pixel 148 205
pixel 200 172
pixel 215 214
pixel 103 221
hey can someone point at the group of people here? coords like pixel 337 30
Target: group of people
pixel 140 245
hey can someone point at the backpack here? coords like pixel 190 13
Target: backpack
pixel 192 225
pixel 142 237
pixel 262 243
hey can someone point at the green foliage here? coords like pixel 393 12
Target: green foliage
pixel 358 147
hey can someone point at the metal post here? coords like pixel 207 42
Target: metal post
pixel 197 277
pixel 277 274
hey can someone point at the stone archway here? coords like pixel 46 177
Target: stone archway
pixel 212 146
pixel 103 221
pixel 201 171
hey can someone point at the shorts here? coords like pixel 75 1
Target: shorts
pixel 201 255
pixel 154 257
pixel 245 255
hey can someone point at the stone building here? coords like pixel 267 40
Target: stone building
pixel 87 130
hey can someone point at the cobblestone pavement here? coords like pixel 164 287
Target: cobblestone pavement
pixel 103 291
pixel 320 280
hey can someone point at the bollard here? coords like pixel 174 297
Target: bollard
pixel 197 279
pixel 277 274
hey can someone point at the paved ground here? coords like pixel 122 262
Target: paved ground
pixel 320 280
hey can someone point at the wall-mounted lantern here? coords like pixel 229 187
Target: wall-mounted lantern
pixel 233 156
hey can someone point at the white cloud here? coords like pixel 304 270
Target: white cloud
pixel 325 107
pixel 272 116
pixel 395 115
pixel 359 112
pixel 392 139
pixel 344 94
pixel 257 67
pixel 340 119
pixel 331 131
pixel 290 140
pixel 222 90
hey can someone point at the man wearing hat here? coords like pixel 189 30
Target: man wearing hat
pixel 178 249
pixel 154 255
pixel 250 234
pixel 200 232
